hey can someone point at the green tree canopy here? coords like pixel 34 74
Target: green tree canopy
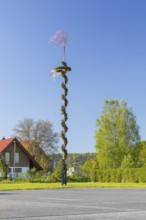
pixel 117 132
pixel 142 155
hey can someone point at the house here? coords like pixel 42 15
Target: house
pixel 17 157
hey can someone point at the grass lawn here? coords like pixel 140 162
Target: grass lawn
pixel 25 186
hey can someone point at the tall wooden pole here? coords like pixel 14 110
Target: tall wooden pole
pixel 60 38
pixel 63 69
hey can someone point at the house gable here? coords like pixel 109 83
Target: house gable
pixel 22 159
pixel 25 159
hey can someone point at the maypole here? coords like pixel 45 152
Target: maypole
pixel 60 39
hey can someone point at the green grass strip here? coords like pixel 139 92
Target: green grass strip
pixel 31 186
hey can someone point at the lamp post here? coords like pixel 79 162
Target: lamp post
pixel 60 38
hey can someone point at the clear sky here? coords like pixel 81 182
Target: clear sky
pixel 107 52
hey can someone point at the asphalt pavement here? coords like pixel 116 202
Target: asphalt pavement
pixel 74 204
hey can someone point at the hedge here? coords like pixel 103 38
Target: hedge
pixel 134 175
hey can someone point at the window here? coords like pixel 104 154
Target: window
pixel 16 157
pixel 7 156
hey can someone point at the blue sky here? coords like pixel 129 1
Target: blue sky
pixel 107 52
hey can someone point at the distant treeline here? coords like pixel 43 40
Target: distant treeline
pixel 75 160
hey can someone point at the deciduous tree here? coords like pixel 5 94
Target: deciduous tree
pixel 117 133
pixel 39 136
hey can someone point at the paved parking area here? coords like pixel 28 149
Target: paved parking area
pixel 74 204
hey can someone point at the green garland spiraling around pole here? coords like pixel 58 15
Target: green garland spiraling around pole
pixel 63 69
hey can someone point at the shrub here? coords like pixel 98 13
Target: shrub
pixel 134 175
pixel 75 177
pixel 32 173
pixel 20 178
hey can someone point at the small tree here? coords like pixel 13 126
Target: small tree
pixel 57 173
pixel 4 169
pixel 89 167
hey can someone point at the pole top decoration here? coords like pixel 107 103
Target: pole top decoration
pixel 59 38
